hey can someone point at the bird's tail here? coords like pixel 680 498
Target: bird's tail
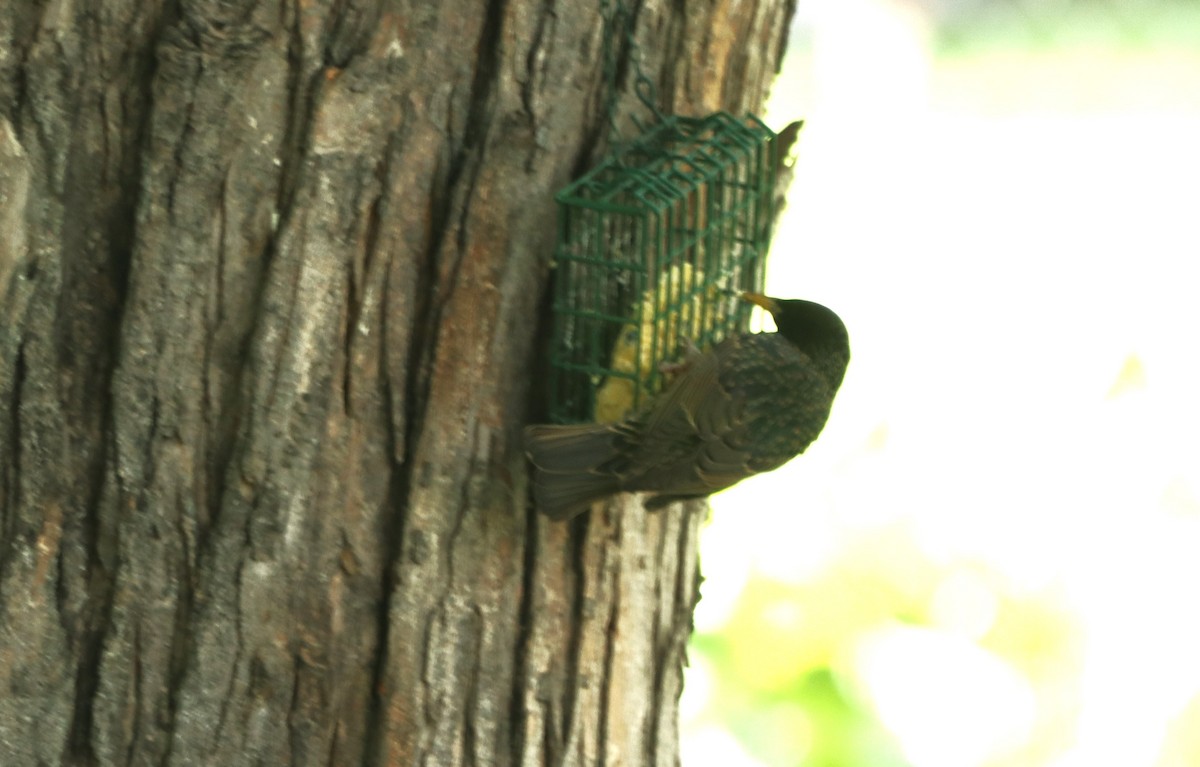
pixel 568 467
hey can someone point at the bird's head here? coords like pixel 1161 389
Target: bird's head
pixel 814 328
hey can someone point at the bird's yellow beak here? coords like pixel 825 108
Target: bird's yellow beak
pixel 758 299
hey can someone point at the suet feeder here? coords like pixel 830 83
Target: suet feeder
pixel 653 245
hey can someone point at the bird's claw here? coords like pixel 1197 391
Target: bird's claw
pixel 690 353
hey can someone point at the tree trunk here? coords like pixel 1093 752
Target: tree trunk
pixel 271 279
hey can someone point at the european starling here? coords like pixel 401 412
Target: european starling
pixel 748 405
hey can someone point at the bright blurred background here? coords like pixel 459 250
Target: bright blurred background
pixel 992 555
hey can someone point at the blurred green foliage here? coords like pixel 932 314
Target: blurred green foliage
pixel 1033 27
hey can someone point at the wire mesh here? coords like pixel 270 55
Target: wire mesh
pixel 652 247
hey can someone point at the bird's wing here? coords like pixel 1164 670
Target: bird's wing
pixel 690 441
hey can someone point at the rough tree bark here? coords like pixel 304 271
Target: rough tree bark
pixel 271 278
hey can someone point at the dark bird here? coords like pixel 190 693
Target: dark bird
pixel 748 405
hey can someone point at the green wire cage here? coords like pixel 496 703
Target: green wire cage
pixel 653 246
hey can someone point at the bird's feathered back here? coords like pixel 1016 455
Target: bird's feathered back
pixel 748 405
